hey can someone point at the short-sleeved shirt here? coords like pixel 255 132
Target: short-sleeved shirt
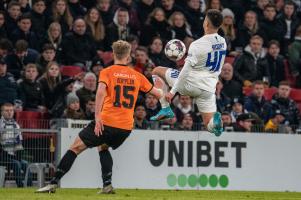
pixel 123 85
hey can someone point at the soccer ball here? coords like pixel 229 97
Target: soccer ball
pixel 175 49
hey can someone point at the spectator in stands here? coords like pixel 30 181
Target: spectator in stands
pixel 185 106
pixel 88 90
pixel 134 21
pixel 144 8
pixel 49 82
pixel 251 65
pixel 259 8
pixel 179 26
pixel 194 17
pixel 47 56
pixel 54 36
pixel 14 12
pixel 281 101
pixel 76 9
pixel 6 47
pixel 151 106
pixel 60 101
pixel 214 4
pixel 97 66
pixel 155 25
pixel 276 64
pixel 30 91
pixel 228 29
pixel 142 60
pixel 119 29
pixel 294 56
pixel 288 23
pixel 11 145
pixel 95 27
pixel 106 10
pixel 8 85
pixel 25 7
pixel 20 58
pixel 244 123
pixel 227 121
pixel 90 108
pixel 134 41
pixel 39 18
pixel 73 110
pixel 268 24
pixel 237 108
pixel 3 32
pixel 148 72
pixel 157 55
pixel 231 87
pixel 140 121
pixel 256 102
pixel 78 47
pixel 88 4
pixel 223 103
pixel 187 122
pixel 62 15
pixel 274 123
pixel 169 7
pixel 23 32
pixel 249 28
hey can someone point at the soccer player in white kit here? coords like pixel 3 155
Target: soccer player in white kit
pixel 199 76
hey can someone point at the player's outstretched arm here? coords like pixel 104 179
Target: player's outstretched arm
pixel 158 93
pixel 100 96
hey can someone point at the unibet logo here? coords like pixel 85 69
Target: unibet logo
pixel 192 180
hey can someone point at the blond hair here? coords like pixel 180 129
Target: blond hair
pixel 121 49
pixel 52 26
pixel 97 29
pixel 51 81
pixel 66 15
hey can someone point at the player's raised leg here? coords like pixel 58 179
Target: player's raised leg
pixel 65 165
pixel 163 79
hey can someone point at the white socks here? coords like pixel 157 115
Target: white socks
pixel 210 125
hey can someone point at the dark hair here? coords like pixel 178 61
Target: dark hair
pixel 6 44
pixel 273 42
pixel 289 2
pixel 286 83
pixel 24 16
pixel 13 3
pixel 270 5
pixel 21 45
pixel 48 46
pixel 37 1
pixel 258 82
pixel 215 17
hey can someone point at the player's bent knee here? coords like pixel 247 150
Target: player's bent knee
pixel 78 146
pixel 103 147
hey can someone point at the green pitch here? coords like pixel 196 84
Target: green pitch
pixel 90 194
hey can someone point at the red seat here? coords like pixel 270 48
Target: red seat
pixel 71 70
pixel 106 56
pixel 269 92
pixel 32 120
pixel 288 75
pixel 296 95
pixel 230 59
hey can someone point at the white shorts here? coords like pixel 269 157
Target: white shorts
pixel 206 101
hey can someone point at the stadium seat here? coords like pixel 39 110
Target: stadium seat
pixel 107 57
pixel 230 59
pixel 296 95
pixel 288 75
pixel 71 71
pixel 269 92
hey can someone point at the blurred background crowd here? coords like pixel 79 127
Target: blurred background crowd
pixel 51 53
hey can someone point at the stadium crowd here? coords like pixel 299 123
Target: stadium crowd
pixel 51 53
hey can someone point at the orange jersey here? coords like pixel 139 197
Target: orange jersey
pixel 123 85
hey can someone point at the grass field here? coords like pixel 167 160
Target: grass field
pixel 90 194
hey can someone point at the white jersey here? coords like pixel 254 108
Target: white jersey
pixel 205 59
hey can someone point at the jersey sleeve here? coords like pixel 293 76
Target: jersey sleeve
pixel 145 85
pixel 104 77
